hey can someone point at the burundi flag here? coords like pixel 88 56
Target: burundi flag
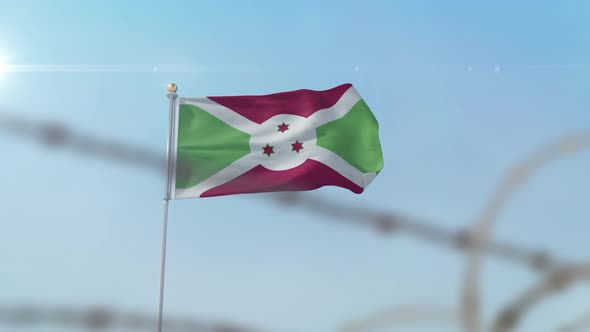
pixel 289 141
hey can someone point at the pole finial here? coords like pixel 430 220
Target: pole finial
pixel 172 88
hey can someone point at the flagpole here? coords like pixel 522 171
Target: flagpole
pixel 172 88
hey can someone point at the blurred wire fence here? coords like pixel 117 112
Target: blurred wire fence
pixel 102 318
pixel 556 274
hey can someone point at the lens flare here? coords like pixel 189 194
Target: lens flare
pixel 3 66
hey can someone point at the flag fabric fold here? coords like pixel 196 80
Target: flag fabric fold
pixel 288 141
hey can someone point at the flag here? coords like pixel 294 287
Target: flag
pixel 288 141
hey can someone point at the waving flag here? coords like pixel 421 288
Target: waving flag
pixel 289 141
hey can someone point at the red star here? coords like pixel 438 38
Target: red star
pixel 297 146
pixel 283 127
pixel 268 149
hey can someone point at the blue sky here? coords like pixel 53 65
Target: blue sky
pixel 462 91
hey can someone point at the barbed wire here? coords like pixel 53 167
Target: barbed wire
pixel 561 274
pixel 556 282
pixel 104 318
pixel 389 223
pixel 474 241
pixel 516 177
pixel 54 134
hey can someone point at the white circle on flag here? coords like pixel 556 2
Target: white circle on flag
pixel 284 155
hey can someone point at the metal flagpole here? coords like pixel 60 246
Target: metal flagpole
pixel 172 88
